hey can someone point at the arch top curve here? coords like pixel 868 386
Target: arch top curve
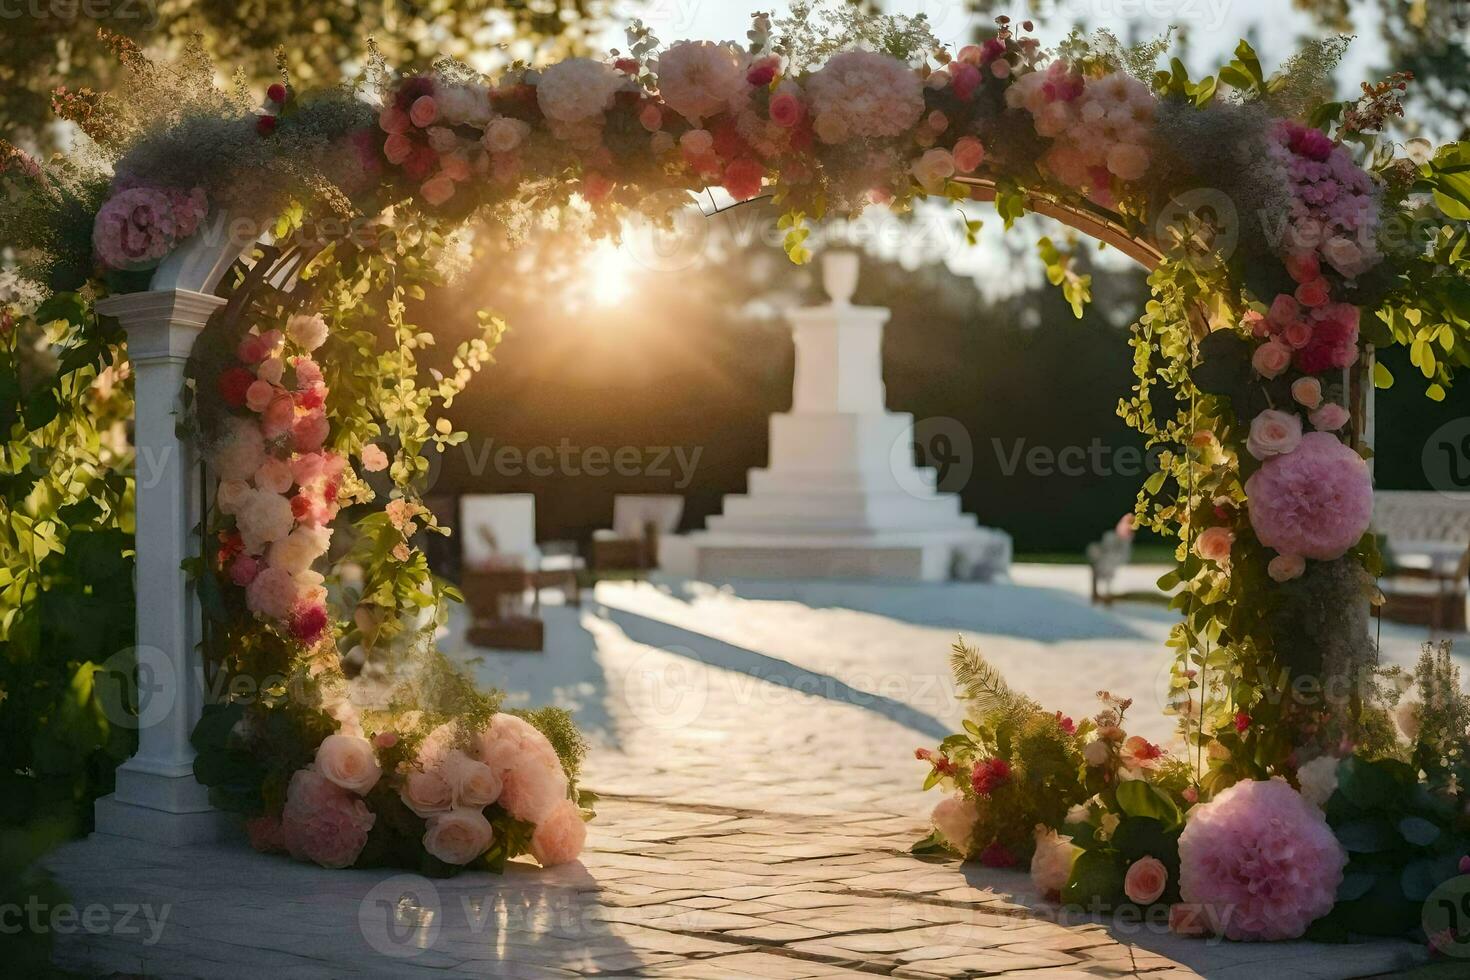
pixel 1141 250
pixel 201 261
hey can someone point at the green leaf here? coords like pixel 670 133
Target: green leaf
pixel 1097 878
pixel 1367 785
pixel 1140 798
pixel 1418 831
pixel 1371 835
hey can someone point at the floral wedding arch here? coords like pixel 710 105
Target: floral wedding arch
pixel 1285 236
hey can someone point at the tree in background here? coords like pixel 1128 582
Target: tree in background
pixel 45 44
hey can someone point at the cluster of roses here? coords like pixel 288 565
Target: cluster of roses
pixel 719 113
pixel 1258 861
pixel 277 481
pixel 454 784
pixel 1312 495
pixel 139 225
pixel 1099 127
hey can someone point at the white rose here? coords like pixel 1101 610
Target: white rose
pixel 577 89
pixel 1274 433
pixel 1096 753
pixel 231 495
pixel 1407 716
pixel 505 134
pixel 1318 780
pixel 348 761
pixel 298 550
pixel 458 836
pixel 1051 864
pixel 309 332
pixel 699 78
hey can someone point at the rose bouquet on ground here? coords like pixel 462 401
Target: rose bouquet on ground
pixel 1344 845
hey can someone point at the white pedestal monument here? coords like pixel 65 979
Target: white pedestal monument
pixel 842 497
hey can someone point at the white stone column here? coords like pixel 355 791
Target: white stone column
pixel 157 797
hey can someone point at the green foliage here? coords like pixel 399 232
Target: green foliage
pixel 1402 840
pixel 1077 288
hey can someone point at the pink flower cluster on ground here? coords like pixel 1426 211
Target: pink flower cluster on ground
pixel 276 480
pixel 1314 502
pixel 1262 860
pixel 139 226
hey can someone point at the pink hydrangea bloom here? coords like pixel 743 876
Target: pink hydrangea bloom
pixel 138 226
pixel 1263 858
pixel 323 822
pixel 1315 502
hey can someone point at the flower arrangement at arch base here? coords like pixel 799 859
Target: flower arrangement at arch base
pixel 1349 842
pixel 428 773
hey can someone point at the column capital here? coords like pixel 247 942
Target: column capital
pixel 161 324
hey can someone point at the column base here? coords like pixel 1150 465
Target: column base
pixel 162 808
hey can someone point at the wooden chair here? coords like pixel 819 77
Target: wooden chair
pixel 501 564
pixel 1425 537
pixel 638 522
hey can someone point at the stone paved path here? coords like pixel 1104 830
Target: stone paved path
pixel 759 797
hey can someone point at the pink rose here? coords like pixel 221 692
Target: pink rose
pixel 651 118
pixel 308 372
pixel 1303 267
pixel 1271 359
pixel 1145 881
pixel 1274 433
pixel 1284 309
pixel 437 190
pixel 322 822
pixel 458 836
pixel 559 838
pixel 426 793
pixel 1214 545
pixel 424 111
pixel 933 168
pixel 1330 417
pixel 786 110
pixel 1297 334
pixel 309 432
pixel 276 420
pixel 397 148
pixel 348 761
pixel 1307 392
pixel 1284 568
pixel 969 153
pixel 271 369
pixel 1313 293
pixel 274 475
pixel 244 569
pixel 393 120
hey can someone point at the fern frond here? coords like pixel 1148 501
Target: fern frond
pixel 983 688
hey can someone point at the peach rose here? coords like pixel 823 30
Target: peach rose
pixel 955 820
pixel 1284 568
pixel 1274 433
pixel 1271 359
pixel 1214 545
pixel 322 822
pixel 559 838
pixel 1307 392
pixel 348 761
pixel 530 789
pixel 458 836
pixel 1297 334
pixel 473 783
pixel 426 793
pixel 1145 881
